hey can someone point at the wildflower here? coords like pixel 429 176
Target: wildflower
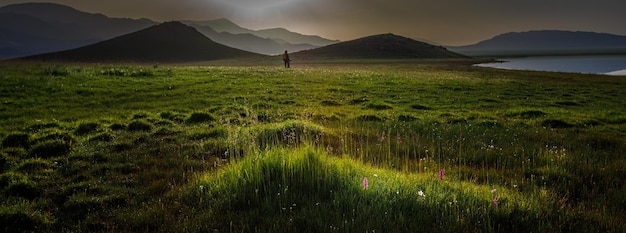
pixel 365 183
pixel 421 193
pixel 494 191
pixel 495 201
pixel 441 174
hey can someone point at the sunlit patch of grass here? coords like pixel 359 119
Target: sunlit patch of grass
pixel 214 133
pixel 292 133
pixel 304 189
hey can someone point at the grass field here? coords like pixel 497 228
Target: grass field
pixel 367 146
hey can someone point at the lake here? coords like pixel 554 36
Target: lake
pixel 596 64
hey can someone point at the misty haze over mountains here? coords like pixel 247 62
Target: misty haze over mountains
pixel 36 28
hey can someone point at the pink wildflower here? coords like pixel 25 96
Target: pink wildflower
pixel 494 191
pixel 495 201
pixel 441 174
pixel 365 183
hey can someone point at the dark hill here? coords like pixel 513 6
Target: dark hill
pixel 546 42
pixel 166 42
pixel 384 46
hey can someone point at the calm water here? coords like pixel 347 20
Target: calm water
pixel 607 64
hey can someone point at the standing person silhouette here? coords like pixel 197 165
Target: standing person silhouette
pixel 286 59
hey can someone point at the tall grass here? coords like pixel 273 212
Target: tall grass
pixel 304 189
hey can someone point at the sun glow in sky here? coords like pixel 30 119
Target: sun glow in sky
pixel 447 22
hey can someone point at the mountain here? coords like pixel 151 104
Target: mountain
pixel 284 35
pixel 33 28
pixel 546 42
pixel 249 42
pixel 280 35
pixel 384 46
pixel 166 42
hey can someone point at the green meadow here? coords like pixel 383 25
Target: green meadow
pixel 341 146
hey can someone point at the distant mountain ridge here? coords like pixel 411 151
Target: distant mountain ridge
pixel 250 42
pixel 166 42
pixel 33 28
pixel 546 42
pixel 383 46
pixel 280 35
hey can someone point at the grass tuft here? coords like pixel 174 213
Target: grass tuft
pixel 215 133
pixel 86 128
pixel 200 117
pixel 372 118
pixel 50 149
pixel 527 114
pixel 330 103
pixel 139 125
pixel 378 106
pixel 556 124
pixel 20 140
pixel 290 133
pixel 420 107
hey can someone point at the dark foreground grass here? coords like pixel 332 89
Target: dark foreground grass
pixel 259 149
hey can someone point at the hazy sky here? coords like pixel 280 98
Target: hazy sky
pixel 448 22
